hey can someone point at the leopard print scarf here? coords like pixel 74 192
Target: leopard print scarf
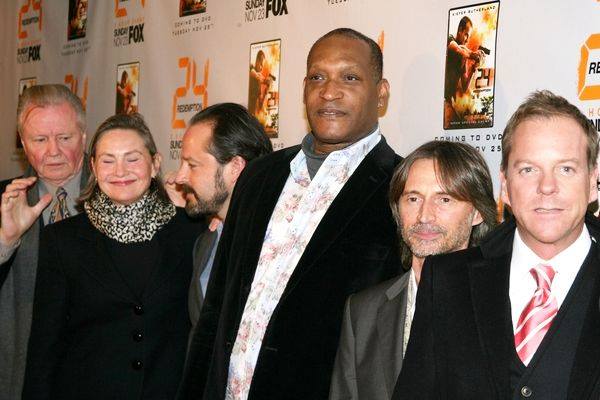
pixel 136 222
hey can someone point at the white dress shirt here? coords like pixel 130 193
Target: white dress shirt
pixel 411 302
pixel 566 264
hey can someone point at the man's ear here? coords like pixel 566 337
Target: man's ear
pixel 236 165
pixel 304 91
pixel 504 189
pixel 383 93
pixel 593 185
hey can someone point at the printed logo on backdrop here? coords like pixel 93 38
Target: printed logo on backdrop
pixel 192 18
pixel 77 19
pixel 588 85
pixel 337 2
pixel 188 99
pixel 81 91
pixel 129 22
pixel 256 10
pixel 128 88
pixel 29 31
pixel 24 84
pixel 263 86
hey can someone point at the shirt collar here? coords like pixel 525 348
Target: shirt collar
pixel 72 187
pixel 573 255
pixel 358 149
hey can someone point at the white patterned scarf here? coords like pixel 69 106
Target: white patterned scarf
pixel 136 222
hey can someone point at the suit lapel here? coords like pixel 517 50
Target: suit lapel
pixel 586 365
pixel 491 307
pixel 365 180
pixel 267 197
pixel 390 331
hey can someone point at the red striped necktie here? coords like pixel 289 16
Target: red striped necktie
pixel 537 316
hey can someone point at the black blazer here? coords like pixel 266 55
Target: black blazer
pixel 91 336
pixel 353 247
pixel 461 343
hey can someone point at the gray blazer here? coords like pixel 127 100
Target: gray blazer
pixel 16 297
pixel 369 356
pixel 202 249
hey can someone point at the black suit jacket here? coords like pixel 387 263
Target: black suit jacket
pixel 354 246
pixel 91 336
pixel 461 342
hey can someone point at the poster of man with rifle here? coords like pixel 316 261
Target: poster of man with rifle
pixel 470 66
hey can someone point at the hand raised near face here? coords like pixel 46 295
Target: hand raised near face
pixel 16 216
pixel 174 190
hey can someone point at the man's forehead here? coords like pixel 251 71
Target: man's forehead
pixel 547 129
pixel 424 176
pixel 199 133
pixel 57 112
pixel 330 44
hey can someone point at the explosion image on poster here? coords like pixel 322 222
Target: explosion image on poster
pixel 77 19
pixel 470 66
pixel 263 88
pixel 191 7
pixel 128 81
pixel 24 83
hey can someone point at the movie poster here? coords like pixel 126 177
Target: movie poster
pixel 77 19
pixel 128 82
pixel 263 88
pixel 191 7
pixel 470 66
pixel 24 83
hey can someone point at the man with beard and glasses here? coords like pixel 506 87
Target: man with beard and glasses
pixel 220 141
pixel 442 200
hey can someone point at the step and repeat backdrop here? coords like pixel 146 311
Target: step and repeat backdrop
pixel 168 59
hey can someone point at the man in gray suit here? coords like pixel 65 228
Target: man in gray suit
pixel 219 142
pixel 51 125
pixel 442 200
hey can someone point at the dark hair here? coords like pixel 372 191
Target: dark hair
pixel 134 122
pixel 235 132
pixel 260 56
pixel 376 54
pixel 464 21
pixel 462 173
pixel 545 104
pixel 45 96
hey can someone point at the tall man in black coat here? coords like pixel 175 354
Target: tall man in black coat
pixel 51 125
pixel 517 317
pixel 307 226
